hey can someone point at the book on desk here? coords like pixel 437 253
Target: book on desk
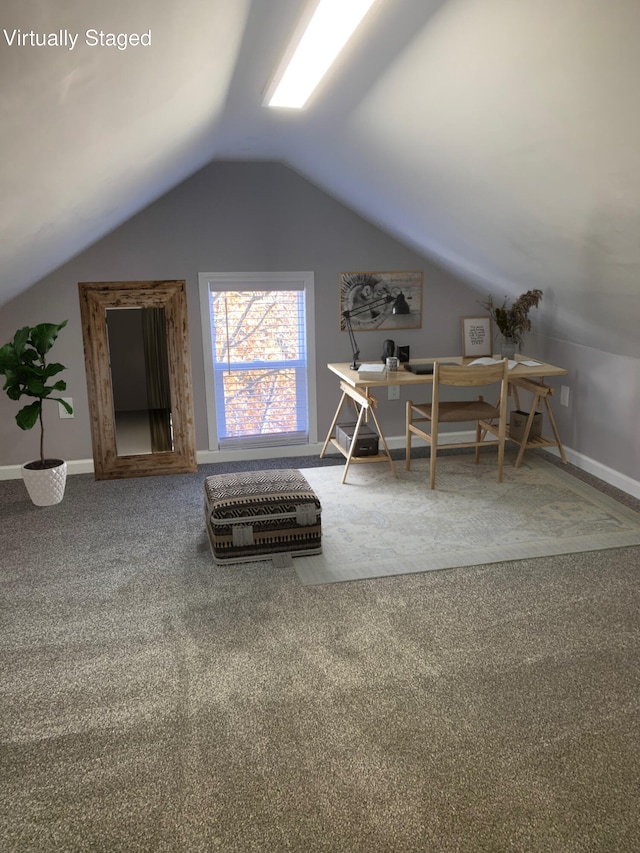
pixel 422 369
pixel 372 370
pixel 511 362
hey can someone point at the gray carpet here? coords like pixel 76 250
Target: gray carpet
pixel 152 701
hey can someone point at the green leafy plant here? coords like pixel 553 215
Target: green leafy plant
pixel 513 320
pixel 23 363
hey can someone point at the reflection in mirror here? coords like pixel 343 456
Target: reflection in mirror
pixel 140 380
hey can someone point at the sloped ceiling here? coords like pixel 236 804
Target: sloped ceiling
pixel 500 137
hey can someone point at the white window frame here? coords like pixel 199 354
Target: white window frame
pixel 215 281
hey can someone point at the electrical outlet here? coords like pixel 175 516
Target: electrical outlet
pixel 394 392
pixel 564 395
pixel 62 412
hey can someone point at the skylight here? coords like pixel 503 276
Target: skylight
pixel 329 29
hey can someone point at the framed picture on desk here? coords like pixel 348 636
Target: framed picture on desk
pixel 476 337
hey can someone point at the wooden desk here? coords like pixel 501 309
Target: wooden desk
pixel 522 377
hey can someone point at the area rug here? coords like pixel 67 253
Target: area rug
pixel 374 525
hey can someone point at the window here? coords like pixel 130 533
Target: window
pixel 259 360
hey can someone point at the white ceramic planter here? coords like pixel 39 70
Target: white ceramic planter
pixel 45 485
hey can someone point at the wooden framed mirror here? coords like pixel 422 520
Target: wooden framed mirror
pixel 137 357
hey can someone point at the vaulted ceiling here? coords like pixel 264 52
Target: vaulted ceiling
pixel 500 137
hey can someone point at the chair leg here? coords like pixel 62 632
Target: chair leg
pixel 433 454
pixel 500 459
pixel 478 440
pixel 407 439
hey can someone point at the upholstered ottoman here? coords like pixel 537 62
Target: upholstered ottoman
pixel 255 515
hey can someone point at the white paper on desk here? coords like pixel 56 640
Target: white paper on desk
pixel 376 368
pixel 487 360
pixel 531 363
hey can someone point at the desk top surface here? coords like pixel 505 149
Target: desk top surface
pixel 405 377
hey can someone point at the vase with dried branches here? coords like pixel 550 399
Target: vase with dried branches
pixel 512 319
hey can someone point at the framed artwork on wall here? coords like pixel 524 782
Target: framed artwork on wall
pixel 476 337
pixel 381 300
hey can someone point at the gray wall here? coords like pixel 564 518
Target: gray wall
pixel 262 216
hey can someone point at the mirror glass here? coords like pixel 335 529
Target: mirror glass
pixel 139 364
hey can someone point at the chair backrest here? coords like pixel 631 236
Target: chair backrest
pixel 470 375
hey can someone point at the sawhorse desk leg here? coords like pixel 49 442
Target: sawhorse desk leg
pixel 541 392
pixel 365 403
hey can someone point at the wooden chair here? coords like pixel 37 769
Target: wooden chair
pixel 484 414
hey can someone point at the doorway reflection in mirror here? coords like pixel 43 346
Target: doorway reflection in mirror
pixel 139 365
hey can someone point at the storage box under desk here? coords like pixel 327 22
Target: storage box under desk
pixel 518 422
pixel 366 442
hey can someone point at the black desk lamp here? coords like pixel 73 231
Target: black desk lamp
pixel 400 306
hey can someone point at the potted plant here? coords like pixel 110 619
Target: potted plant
pixel 23 362
pixel 513 320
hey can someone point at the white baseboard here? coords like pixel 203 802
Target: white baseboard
pixel 207 457
pixel 204 457
pixel 597 469
pixel 75 466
